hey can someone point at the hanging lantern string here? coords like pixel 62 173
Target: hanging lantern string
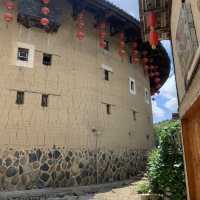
pixel 102 35
pixel 8 15
pixel 122 51
pixel 81 26
pixel 135 53
pixel 45 11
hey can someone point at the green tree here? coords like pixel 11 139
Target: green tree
pixel 165 165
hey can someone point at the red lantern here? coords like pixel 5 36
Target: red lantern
pixel 145 60
pixel 135 60
pixel 146 68
pixel 157 73
pixel 151 20
pixel 44 21
pixel 45 1
pixel 102 35
pixel 122 43
pixel 9 5
pixel 8 17
pixel 122 51
pixel 45 10
pixel 153 39
pixel 152 67
pixel 135 52
pixel 102 44
pixel 135 45
pixel 157 80
pixel 158 86
pixel 80 35
pixel 80 26
pixel 151 74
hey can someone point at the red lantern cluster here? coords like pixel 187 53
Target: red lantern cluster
pixel 134 53
pixel 145 61
pixel 81 26
pixel 157 79
pixel 146 69
pixel 153 35
pixel 10 6
pixel 102 35
pixel 122 50
pixel 45 11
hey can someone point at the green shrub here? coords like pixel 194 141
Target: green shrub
pixel 143 187
pixel 165 165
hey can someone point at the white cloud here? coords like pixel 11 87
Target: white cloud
pixel 172 105
pixel 169 88
pixel 168 92
pixel 158 112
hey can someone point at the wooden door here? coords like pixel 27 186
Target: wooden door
pixel 191 140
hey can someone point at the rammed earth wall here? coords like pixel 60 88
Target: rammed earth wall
pixel 60 167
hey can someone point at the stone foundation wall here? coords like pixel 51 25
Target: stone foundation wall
pixel 61 167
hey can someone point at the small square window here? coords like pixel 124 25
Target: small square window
pixel 107 45
pixel 106 75
pixel 132 88
pixel 45 99
pixel 20 98
pixel 23 54
pixel 47 59
pixel 108 109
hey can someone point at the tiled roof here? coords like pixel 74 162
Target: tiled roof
pixel 118 10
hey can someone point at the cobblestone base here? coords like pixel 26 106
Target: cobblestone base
pixel 61 167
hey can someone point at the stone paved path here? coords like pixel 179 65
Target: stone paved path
pixel 126 192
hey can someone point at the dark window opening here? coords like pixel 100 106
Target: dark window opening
pixel 20 98
pixel 108 109
pixel 107 45
pixel 22 54
pixel 47 59
pixel 130 59
pixel 158 3
pixel 132 86
pixel 146 96
pixel 106 74
pixel 45 99
pixel 134 115
pixel 148 137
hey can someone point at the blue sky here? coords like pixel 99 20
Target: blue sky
pixel 166 102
